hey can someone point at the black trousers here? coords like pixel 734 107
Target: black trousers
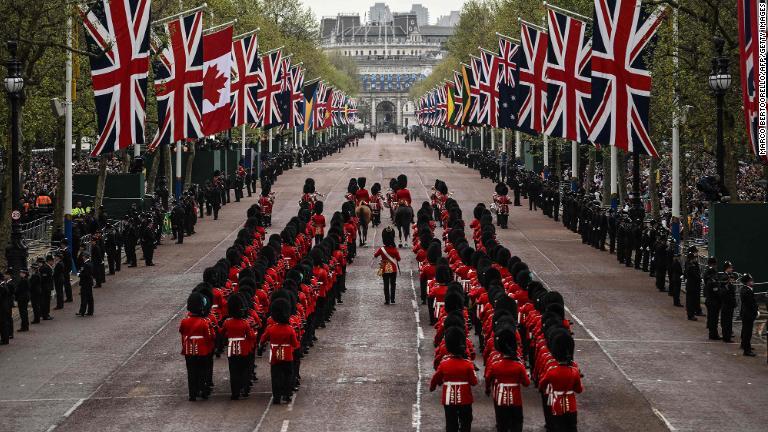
pixel 726 321
pixel 747 326
pixel 36 299
pixel 98 273
pixel 23 312
pixel 67 287
pixel 390 282
pixel 458 418
pixel 45 303
pixel 178 233
pixel 239 374
pixel 149 252
pixel 674 289
pixel 423 290
pixel 509 418
pixel 713 313
pixel 130 254
pixel 58 286
pixel 565 423
pixel 196 375
pixel 111 261
pixel 86 301
pixel 692 302
pixel 282 379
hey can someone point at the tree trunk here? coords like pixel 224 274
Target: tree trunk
pixel 5 221
pixel 58 163
pixel 558 164
pixel 152 172
pixel 684 177
pixel 100 183
pixel 126 165
pixel 190 161
pixel 653 189
pixel 606 151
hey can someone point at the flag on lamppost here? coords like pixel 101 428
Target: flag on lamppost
pixel 532 89
pixel 179 80
pixel 749 42
pixel 569 78
pixel 309 92
pixel 621 82
pixel 119 29
pixel 245 67
pixel 508 59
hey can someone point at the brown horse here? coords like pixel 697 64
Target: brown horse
pixel 363 213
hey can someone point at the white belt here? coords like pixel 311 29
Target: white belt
pixel 553 394
pixel 194 337
pixel 231 343
pixel 500 387
pixel 452 386
pixel 438 305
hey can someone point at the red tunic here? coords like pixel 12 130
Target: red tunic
pixel 505 376
pixel 197 336
pixel 404 195
pixel 266 205
pixel 362 196
pixel 282 339
pixel 389 265
pixel 456 375
pixel 240 337
pixel 561 383
pixel 318 221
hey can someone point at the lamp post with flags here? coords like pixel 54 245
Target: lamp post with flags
pixel 16 252
pixel 720 82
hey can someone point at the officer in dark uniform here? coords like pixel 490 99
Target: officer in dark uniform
pixel 660 258
pixel 59 275
pixel 35 290
pixel 177 222
pixel 692 286
pixel 110 248
pixel 86 285
pixel 190 215
pixel 612 222
pixel 675 278
pixel 748 314
pixel 6 306
pixel 727 300
pixel 22 293
pixel 147 238
pixel 97 259
pixel 131 238
pixel 66 259
pixel 46 287
pixel 712 298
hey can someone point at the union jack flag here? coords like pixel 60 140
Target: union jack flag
pixel 337 107
pixel 474 70
pixel 119 28
pixel 270 77
pixel 508 59
pixel 458 100
pixel 321 106
pixel 749 41
pixel 532 89
pixel 488 86
pixel 569 78
pixel 245 81
pixel 179 80
pixel 442 106
pixel 297 97
pixel 621 82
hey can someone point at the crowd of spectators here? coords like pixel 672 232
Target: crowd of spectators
pixel 38 192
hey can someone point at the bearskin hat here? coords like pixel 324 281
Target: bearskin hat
pixel 233 256
pixel 443 274
pixel 352 186
pixel 453 302
pixel 478 211
pixel 402 181
pixel 375 188
pixel 388 236
pixel 433 252
pixel 319 207
pixel 503 256
pixel 466 255
pixel 501 189
pixel 196 303
pixel 455 341
pixel 489 276
pixel 280 310
pixel 310 182
pixel 561 345
pixel 393 184
pixel 505 340
pixel 442 187
pixel 236 306
pixel 361 182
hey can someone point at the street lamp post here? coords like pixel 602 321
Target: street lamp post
pixel 16 252
pixel 719 82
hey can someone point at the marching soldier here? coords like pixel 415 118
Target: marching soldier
pixel 131 236
pixel 197 342
pixel 456 375
pixel 282 343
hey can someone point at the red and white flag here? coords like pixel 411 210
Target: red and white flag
pixel 217 64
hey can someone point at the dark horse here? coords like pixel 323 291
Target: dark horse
pixel 403 220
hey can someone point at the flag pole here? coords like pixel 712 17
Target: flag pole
pixel 567 12
pixel 246 34
pixel 271 147
pixel 501 35
pixel 68 142
pixel 242 139
pixel 518 146
pixel 546 150
pixel 167 19
pixel 574 161
pixel 218 27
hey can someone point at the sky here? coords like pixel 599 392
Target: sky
pixel 332 7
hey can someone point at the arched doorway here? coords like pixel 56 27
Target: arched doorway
pixel 385 117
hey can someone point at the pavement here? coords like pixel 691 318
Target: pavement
pixel 646 367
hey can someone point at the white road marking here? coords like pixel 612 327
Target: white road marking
pixel 416 410
pixel 284 428
pixel 263 415
pixel 664 419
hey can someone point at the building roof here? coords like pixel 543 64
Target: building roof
pixel 433 30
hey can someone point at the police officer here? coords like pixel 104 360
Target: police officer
pixel 6 306
pixel 712 298
pixel 66 261
pixel 748 313
pixel 131 237
pixel 692 286
pixel 177 222
pixel 147 237
pixel 727 292
pixel 86 285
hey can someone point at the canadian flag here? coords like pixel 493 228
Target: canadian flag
pixel 217 64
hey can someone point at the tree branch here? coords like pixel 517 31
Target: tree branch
pixel 53 44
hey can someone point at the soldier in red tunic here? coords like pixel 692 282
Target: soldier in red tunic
pixel 240 339
pixel 403 194
pixel 561 382
pixel 266 202
pixel 389 266
pixel 456 374
pixel 376 204
pixel 197 341
pixel 504 376
pixel 362 197
pixel 502 202
pixel 282 342
pixel 318 222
